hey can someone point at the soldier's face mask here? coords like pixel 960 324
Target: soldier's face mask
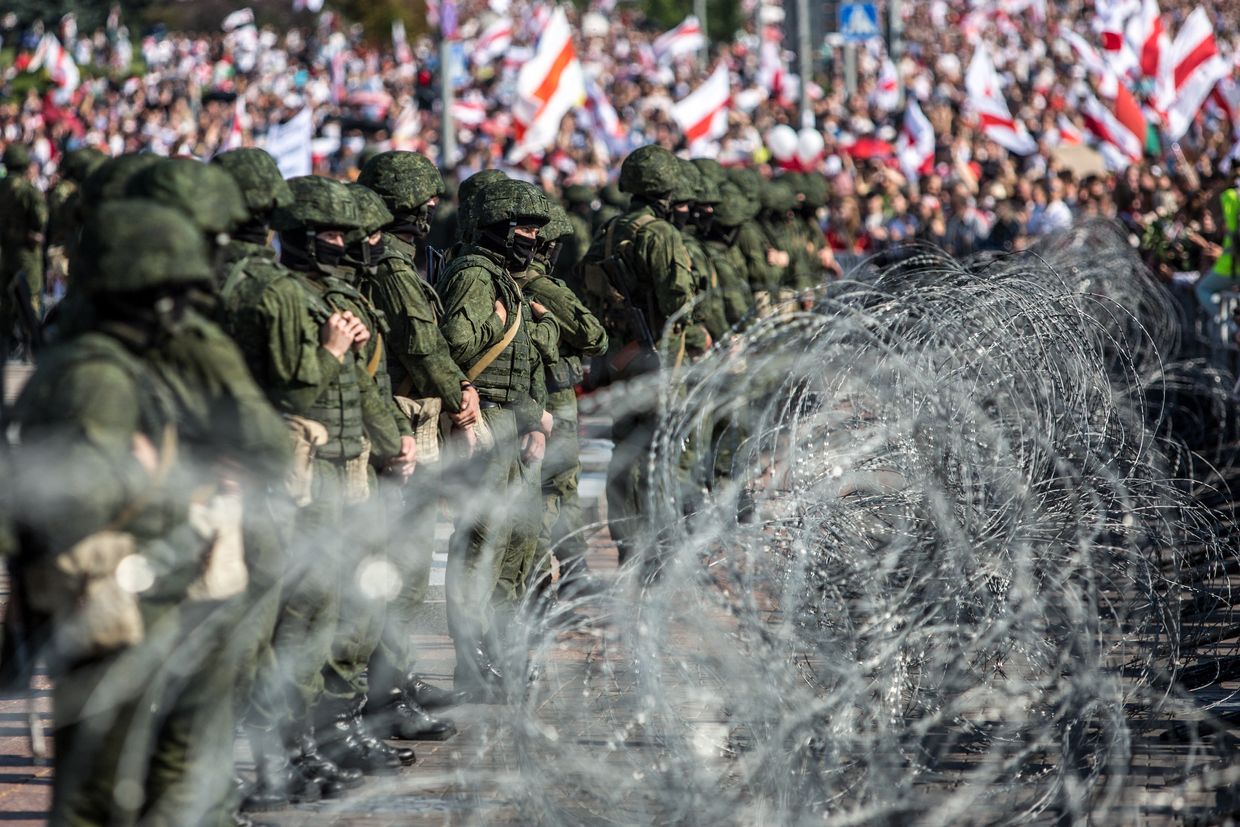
pixel 422 218
pixel 682 214
pixel 329 252
pixel 704 217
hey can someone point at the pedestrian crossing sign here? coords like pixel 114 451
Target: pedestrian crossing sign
pixel 859 22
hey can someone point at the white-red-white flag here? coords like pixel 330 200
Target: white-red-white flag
pixel 1110 20
pixel 1146 36
pixel 703 114
pixel 1104 77
pixel 548 85
pixel 605 123
pixel 685 39
pixel 60 66
pixel 1190 71
pixel 986 97
pixel 1109 129
pixel 887 87
pixel 916 144
pixel 1067 132
pixel 772 73
pixel 492 43
pixel 469 109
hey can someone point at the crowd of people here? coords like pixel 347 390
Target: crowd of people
pixel 253 395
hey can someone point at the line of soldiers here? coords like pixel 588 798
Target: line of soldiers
pixel 231 458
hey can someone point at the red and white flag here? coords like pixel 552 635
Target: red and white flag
pixel 60 66
pixel 492 43
pixel 1104 77
pixel 986 97
pixel 685 39
pixel 772 73
pixel 604 121
pixel 1190 71
pixel 887 89
pixel 703 114
pixel 470 109
pixel 915 146
pixel 1226 96
pixel 1068 134
pixel 1148 39
pixel 548 85
pixel 1110 129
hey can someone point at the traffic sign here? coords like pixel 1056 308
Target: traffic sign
pixel 859 22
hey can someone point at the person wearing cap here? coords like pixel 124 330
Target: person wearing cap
pixel 23 224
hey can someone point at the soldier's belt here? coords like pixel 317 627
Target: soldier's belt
pixel 487 404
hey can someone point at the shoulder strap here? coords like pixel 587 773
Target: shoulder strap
pixel 499 347
pixel 372 367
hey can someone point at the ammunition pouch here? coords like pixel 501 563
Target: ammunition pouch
pixel 308 436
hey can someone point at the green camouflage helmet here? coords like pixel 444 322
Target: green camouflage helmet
pixel 748 181
pixel 318 204
pixel 613 197
pixel 465 195
pixel 712 170
pixel 80 163
pixel 256 173
pixel 688 182
pixel 404 180
pixel 503 202
pixel 558 226
pixel 16 157
pixel 816 192
pixel 778 196
pixel 578 194
pixel 373 212
pixel 650 172
pixel 108 181
pixel 132 244
pixel 733 209
pixel 207 195
pixel 706 189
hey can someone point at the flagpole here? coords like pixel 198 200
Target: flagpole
pixel 699 10
pixel 447 126
pixel 803 60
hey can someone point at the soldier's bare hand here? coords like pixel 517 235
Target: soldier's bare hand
pixel 404 463
pixel 539 310
pixel 533 446
pixel 336 335
pixel 547 422
pixel 470 408
pixel 145 452
pixel 501 311
pixel 358 329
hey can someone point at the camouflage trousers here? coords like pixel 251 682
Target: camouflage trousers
pixel 146 735
pixel 29 262
pixel 561 469
pixel 494 538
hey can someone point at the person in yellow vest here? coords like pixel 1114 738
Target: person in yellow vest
pixel 1222 276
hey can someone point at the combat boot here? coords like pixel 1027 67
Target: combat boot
pixel 352 746
pixel 405 755
pixel 401 717
pixel 313 764
pixel 278 783
pixel 477 679
pixel 427 696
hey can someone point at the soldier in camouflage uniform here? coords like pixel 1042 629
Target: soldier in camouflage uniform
pixel 125 428
pixel 731 212
pixel 579 206
pixel 23 224
pixel 581 336
pixel 612 204
pixel 467 194
pixel 761 260
pixel 426 381
pixel 636 277
pixel 63 198
pixel 383 441
pixel 703 196
pixel 491 329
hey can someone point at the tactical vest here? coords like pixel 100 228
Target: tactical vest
pixel 339 406
pixel 610 271
pixel 566 372
pixel 507 378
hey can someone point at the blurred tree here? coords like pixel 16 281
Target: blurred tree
pixel 723 17
pixel 376 17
